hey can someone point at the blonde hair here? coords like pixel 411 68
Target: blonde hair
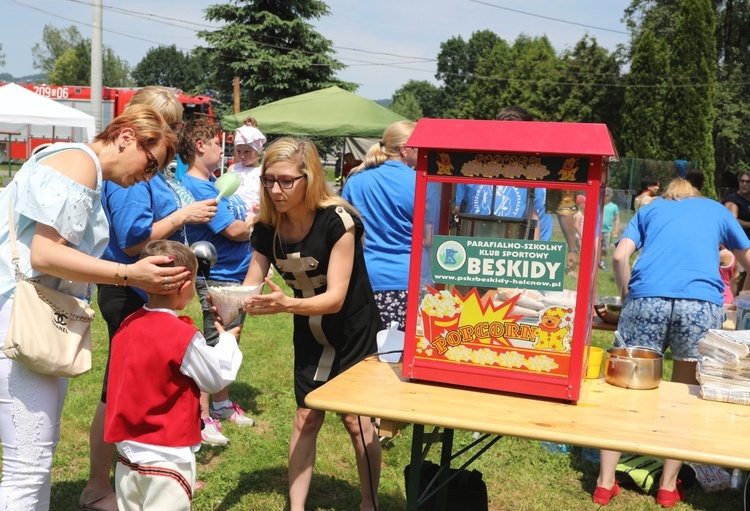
pixel 680 188
pixel 302 153
pixel 389 147
pixel 149 127
pixel 162 99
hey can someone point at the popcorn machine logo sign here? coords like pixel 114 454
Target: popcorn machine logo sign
pixel 451 255
pixel 464 329
pixel 492 262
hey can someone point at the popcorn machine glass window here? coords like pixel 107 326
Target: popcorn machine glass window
pixel 504 255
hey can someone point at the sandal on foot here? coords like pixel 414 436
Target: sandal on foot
pixel 90 497
pixel 602 495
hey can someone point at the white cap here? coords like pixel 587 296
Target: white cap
pixel 248 135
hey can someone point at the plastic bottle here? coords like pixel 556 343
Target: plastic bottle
pixel 555 448
pixel 735 482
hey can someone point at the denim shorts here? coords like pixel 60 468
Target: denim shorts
pixel 661 323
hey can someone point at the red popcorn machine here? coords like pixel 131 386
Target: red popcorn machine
pixel 501 285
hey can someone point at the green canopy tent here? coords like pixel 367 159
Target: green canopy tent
pixel 331 112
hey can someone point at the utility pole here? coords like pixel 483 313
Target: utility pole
pixel 96 65
pixel 236 94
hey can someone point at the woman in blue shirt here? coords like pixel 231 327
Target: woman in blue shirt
pixel 382 190
pixel 673 295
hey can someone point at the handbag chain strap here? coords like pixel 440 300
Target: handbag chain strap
pixel 20 275
pixel 59 310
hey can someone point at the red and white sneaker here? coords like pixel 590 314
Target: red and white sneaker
pixel 233 413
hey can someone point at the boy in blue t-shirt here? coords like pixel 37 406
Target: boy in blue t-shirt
pixel 199 146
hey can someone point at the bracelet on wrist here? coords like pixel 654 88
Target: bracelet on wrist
pixel 123 278
pixel 174 225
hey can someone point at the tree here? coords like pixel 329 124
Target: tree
pixel 167 66
pixel 407 104
pixel 2 56
pixel 67 69
pixel 271 47
pixel 588 89
pixel 732 126
pixel 429 98
pixel 524 74
pixel 677 38
pixel 690 110
pixel 66 58
pixel 55 43
pixel 485 93
pixel 456 68
pixel 643 116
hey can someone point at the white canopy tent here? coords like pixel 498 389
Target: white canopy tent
pixel 21 106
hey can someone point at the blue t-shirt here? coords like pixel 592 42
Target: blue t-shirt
pixel 234 256
pixel 545 219
pixel 510 202
pixel 384 197
pixel 680 249
pixel 132 212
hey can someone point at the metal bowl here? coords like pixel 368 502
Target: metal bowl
pixel 609 313
pixel 642 370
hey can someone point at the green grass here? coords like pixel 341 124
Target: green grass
pixel 251 475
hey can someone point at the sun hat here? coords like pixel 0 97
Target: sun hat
pixel 249 135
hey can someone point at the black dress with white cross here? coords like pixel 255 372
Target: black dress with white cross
pixel 326 345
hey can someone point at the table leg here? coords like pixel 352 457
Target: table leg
pixel 415 468
pixel 446 454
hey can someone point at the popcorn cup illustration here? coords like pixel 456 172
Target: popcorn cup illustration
pixel 441 312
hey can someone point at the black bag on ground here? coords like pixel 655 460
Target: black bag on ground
pixel 467 492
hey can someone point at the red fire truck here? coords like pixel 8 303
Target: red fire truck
pixel 114 101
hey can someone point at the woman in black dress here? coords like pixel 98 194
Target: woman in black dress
pixel 313 238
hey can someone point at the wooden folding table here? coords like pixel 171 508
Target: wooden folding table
pixel 672 421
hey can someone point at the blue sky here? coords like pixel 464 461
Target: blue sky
pixel 384 43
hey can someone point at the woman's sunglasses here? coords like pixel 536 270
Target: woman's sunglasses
pixel 152 164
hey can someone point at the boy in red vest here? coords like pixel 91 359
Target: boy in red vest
pixel 159 364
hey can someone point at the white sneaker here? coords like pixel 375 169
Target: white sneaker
pixel 233 413
pixel 211 432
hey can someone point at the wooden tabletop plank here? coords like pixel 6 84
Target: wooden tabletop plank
pixel 670 421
